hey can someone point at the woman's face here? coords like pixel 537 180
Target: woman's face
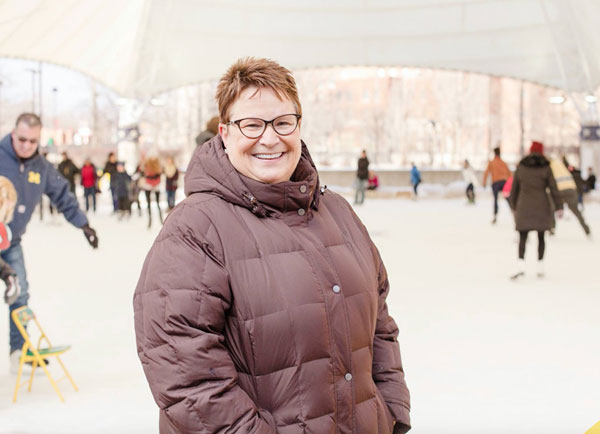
pixel 270 158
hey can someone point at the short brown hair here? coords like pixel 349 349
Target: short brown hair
pixel 30 119
pixel 251 71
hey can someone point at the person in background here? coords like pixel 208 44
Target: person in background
pixel 89 178
pixel 212 129
pixel 122 184
pixel 500 173
pixel 415 178
pixel 362 177
pixel 373 181
pixel 44 153
pixel 171 178
pixel 150 183
pixel 590 182
pixel 111 167
pixel 134 189
pixel 32 175
pixel 68 170
pixel 567 189
pixel 579 182
pixel 532 205
pixel 471 180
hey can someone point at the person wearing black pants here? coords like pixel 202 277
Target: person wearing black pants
pixel 532 205
pixel 523 242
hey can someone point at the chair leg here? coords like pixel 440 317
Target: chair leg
pixel 33 367
pixel 18 385
pixel 67 374
pixel 54 385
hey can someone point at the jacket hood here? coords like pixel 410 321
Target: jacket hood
pixel 210 171
pixel 534 160
pixel 7 147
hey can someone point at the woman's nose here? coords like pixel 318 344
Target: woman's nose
pixel 269 137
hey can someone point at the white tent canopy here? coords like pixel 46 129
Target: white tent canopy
pixel 142 47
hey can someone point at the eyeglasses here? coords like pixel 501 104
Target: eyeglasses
pixel 25 140
pixel 253 128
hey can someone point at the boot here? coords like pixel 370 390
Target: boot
pixel 520 270
pixel 541 271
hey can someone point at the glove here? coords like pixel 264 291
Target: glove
pixel 13 289
pixel 90 235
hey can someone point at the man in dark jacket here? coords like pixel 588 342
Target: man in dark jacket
pixel 68 170
pixel 362 178
pixel 111 168
pixel 32 176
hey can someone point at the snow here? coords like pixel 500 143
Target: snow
pixel 482 354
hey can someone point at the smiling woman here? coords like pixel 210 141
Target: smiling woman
pixel 261 306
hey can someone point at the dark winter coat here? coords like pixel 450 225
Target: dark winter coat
pixel 528 196
pixel 111 169
pixel 262 309
pixel 204 137
pixel 68 169
pixel 363 168
pixel 32 178
pixel 121 184
pixel 171 181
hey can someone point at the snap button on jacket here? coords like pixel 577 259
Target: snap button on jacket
pixel 237 326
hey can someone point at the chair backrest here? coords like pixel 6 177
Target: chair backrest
pixel 23 315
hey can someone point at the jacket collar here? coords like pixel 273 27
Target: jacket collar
pixel 210 171
pixel 6 145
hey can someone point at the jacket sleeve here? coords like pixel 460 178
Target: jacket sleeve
pixel 514 191
pixel 57 189
pixel 180 307
pixel 388 372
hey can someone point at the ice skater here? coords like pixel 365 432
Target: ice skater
pixel 415 179
pixel 32 175
pixel 567 189
pixel 362 178
pixel 150 183
pixel 471 179
pixel 500 173
pixel 529 200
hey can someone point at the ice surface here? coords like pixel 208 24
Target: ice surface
pixel 482 354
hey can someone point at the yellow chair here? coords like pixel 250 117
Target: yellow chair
pixel 30 353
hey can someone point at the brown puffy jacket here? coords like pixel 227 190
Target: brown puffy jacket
pixel 262 309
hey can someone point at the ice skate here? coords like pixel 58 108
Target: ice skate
pixel 541 272
pixel 494 220
pixel 520 273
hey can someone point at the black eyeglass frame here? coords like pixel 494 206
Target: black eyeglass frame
pixel 237 122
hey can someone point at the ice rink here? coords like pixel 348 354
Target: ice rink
pixel 482 354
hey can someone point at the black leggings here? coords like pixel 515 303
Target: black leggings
pixel 523 241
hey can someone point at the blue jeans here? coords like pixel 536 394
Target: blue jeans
pixel 87 193
pixel 171 198
pixel 115 198
pixel 359 195
pixel 14 257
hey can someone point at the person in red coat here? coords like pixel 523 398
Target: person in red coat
pixel 88 180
